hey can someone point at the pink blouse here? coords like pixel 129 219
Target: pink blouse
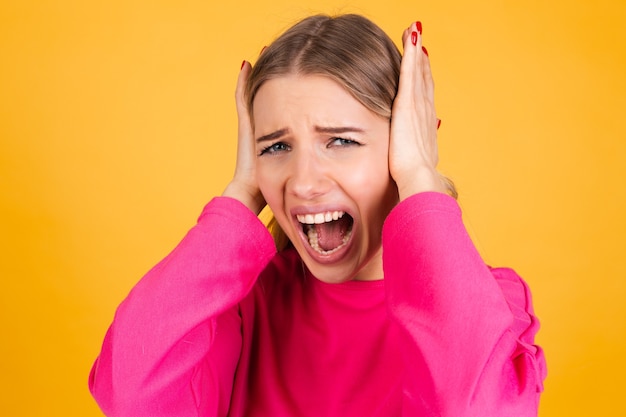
pixel 225 326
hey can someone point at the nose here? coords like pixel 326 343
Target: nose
pixel 308 178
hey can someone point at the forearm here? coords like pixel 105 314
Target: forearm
pixel 457 320
pixel 163 332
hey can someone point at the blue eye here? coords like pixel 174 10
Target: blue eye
pixel 275 148
pixel 342 142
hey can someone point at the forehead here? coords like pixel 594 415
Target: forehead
pixel 315 98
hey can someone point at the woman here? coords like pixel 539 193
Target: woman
pixel 337 134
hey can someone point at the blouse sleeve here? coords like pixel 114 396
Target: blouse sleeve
pixel 470 329
pixel 175 341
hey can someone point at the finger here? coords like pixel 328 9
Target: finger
pixel 410 58
pixel 240 99
pixel 245 141
pixel 406 34
pixel 423 84
pixel 420 57
pixel 429 84
pixel 241 83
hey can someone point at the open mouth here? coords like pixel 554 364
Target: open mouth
pixel 327 232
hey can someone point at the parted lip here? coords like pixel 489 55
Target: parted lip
pixel 306 214
pixel 319 208
pixel 301 212
pixel 319 218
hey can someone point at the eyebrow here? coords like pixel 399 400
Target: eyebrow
pixel 338 130
pixel 319 129
pixel 273 135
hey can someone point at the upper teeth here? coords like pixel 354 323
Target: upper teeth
pixel 319 218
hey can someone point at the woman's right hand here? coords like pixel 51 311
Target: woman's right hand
pixel 413 152
pixel 244 186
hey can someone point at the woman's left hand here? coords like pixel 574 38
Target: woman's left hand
pixel 413 154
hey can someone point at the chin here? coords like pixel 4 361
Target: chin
pixel 353 266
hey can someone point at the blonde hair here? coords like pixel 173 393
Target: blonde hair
pixel 349 49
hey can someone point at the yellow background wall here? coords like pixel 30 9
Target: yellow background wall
pixel 117 124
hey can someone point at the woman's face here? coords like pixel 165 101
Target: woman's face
pixel 322 167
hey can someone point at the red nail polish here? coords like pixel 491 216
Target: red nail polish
pixel 438 123
pixel 418 24
pixel 242 64
pixel 414 38
pixel 425 51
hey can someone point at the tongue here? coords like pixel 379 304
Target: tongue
pixel 330 235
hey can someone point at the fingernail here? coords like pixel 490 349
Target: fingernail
pixel 418 24
pixel 425 51
pixel 414 38
pixel 438 123
pixel 260 53
pixel 242 64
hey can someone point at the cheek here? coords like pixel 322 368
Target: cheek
pixel 264 180
pixel 377 196
pixel 270 186
pixel 368 176
pixel 373 189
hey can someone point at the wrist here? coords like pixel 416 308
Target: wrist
pixel 420 181
pixel 253 200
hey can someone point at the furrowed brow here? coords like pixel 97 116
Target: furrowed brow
pixel 273 135
pixel 338 130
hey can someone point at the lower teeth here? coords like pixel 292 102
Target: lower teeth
pixel 313 241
